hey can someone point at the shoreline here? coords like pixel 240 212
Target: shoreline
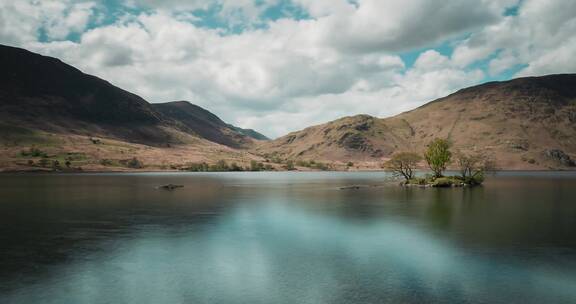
pixel 79 172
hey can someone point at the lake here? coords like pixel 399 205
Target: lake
pixel 285 237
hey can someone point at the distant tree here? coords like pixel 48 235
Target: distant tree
pixel 302 163
pixel 289 165
pixel 106 162
pixel 56 165
pixel 235 167
pixel 403 164
pixel 68 162
pixel 256 166
pixel 438 156
pixel 321 166
pixel 197 167
pixel 134 163
pixel 33 152
pixel 43 162
pixel 220 166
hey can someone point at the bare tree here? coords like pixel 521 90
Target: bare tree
pixel 472 166
pixel 403 164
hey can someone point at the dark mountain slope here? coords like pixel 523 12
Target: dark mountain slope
pixel 43 93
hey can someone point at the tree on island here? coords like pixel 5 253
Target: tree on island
pixel 472 166
pixel 438 156
pixel 404 164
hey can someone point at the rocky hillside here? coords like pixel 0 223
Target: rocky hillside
pixel 525 123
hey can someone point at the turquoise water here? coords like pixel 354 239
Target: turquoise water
pixel 285 238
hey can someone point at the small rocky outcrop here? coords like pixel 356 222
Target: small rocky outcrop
pixel 560 157
pixel 572 116
pixel 354 141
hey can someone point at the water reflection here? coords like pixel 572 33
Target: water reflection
pixel 284 238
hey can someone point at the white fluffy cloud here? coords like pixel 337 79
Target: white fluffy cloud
pixel 21 21
pixel 294 72
pixel 540 37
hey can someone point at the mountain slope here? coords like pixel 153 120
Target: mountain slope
pixel 43 93
pixel 519 122
pixel 206 124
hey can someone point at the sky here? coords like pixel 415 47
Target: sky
pixel 281 65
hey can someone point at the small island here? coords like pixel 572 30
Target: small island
pixel 471 166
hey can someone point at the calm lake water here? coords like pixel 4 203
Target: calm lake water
pixel 285 238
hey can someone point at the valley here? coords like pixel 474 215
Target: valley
pixel 78 122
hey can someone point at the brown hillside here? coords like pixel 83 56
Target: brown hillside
pixel 526 123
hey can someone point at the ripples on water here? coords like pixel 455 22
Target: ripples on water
pixel 285 238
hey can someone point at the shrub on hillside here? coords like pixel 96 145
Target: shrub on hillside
pixel 33 152
pixel 289 165
pixel 134 163
pixel 256 166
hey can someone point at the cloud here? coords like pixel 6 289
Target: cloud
pixel 400 25
pixel 23 21
pixel 18 22
pixel 66 18
pixel 284 72
pixel 540 37
pixel 322 8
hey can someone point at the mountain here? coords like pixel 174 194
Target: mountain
pixel 207 125
pixel 525 123
pixel 52 113
pixel 43 93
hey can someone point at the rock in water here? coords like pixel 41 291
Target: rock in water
pixel 171 186
pixel 350 188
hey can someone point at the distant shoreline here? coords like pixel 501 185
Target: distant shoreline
pixel 50 172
